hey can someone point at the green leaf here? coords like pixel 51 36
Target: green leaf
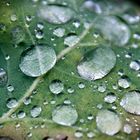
pixel 45 94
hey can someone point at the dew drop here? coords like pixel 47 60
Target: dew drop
pixel 56 14
pixel 13 17
pixel 3 77
pixel 71 40
pixel 10 88
pixel 37 60
pixel 78 134
pixel 21 114
pixel 131 102
pixel 135 65
pixel 65 115
pixel 110 98
pixel 113 30
pixel 97 63
pixel 127 128
pixel 108 122
pixel 35 111
pixel 124 82
pixel 59 32
pixel 11 103
pixel 56 86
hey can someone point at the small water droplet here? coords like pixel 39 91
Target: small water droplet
pixel 135 65
pixel 11 103
pixel 36 111
pixel 13 17
pixel 59 32
pixel 78 134
pixel 124 82
pixel 71 40
pixel 127 128
pixel 56 86
pixel 10 88
pixel 3 77
pixel 81 85
pixel 110 98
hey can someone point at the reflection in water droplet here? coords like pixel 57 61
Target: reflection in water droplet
pixel 108 122
pixel 56 86
pixel 56 14
pixel 97 63
pixel 65 115
pixel 131 102
pixel 35 111
pixel 11 103
pixel 113 29
pixel 3 77
pixel 37 60
pixel 59 32
pixel 71 40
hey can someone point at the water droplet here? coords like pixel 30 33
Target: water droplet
pixel 36 111
pixel 39 34
pixel 124 82
pixel 113 29
pixel 11 103
pixel 56 86
pixel 27 101
pixel 110 98
pixel 65 115
pixel 131 102
pixel 78 134
pixel 76 23
pixel 37 60
pixel 127 128
pixel 3 77
pixel 135 65
pixel 70 90
pixel 81 85
pixel 71 40
pixel 56 14
pixel 28 18
pixel 102 88
pixel 108 122
pixel 97 63
pixel 10 88
pixel 90 135
pixel 40 26
pixel 18 34
pixel 13 17
pixel 21 114
pixel 92 6
pixel 2 27
pixel 59 32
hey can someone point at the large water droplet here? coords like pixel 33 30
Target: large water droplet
pixel 108 122
pixel 37 60
pixel 3 77
pixel 56 86
pixel 97 63
pixel 131 102
pixel 65 115
pixel 113 29
pixel 56 14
